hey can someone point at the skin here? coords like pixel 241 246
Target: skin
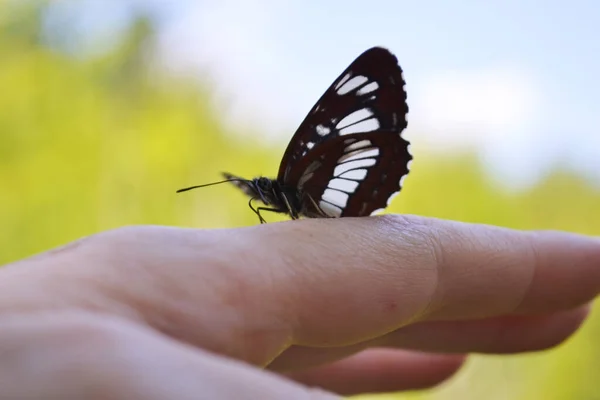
pixel 300 309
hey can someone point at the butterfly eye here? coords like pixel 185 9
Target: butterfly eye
pixel 265 183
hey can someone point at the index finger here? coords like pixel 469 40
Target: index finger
pixel 253 292
pixel 368 275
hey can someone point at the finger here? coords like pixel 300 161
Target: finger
pixel 499 335
pixel 380 371
pixel 394 270
pixel 79 356
pixel 251 293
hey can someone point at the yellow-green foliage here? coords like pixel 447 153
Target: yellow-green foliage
pixel 91 144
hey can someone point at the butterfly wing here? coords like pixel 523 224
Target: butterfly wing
pixel 369 95
pixel 348 155
pixel 354 176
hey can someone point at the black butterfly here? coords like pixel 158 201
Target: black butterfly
pixel 347 158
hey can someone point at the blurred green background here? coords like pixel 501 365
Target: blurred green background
pixel 101 140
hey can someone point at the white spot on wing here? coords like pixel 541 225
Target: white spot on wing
pixel 362 153
pixel 322 130
pixel 330 209
pixel 389 200
pixel 364 126
pixel 371 87
pixel 362 120
pixel 402 180
pixel 310 145
pixel 335 197
pixel 340 169
pixel 343 184
pixel 353 118
pixel 344 80
pixel 356 174
pixel 357 145
pixel 352 84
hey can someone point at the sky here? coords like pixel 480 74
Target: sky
pixel 516 81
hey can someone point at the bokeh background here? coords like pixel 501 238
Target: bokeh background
pixel 108 107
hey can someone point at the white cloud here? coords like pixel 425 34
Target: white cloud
pixel 269 67
pixel 585 157
pixel 233 42
pixel 472 107
pixel 495 111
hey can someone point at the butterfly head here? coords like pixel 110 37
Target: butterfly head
pixel 263 184
pixel 264 188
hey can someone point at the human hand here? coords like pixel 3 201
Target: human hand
pixel 351 305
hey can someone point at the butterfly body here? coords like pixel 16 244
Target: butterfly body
pixel 277 196
pixel 347 158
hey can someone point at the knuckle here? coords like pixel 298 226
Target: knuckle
pixel 420 236
pixel 418 242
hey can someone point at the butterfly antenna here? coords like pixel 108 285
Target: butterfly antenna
pixel 213 183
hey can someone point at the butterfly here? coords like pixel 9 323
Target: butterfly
pixel 347 158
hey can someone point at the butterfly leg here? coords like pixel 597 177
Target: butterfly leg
pixel 291 212
pixel 259 209
pixel 256 210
